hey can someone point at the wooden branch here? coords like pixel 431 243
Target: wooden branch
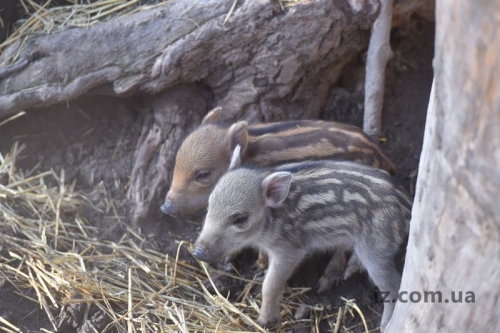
pixel 263 64
pixel 379 53
pixel 262 61
pixel 118 54
pixel 182 42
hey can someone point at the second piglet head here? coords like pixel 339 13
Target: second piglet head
pixel 202 159
pixel 238 209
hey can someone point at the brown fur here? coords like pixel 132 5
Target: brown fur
pixel 196 154
pixel 210 146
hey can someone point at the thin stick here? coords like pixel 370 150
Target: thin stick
pixel 233 6
pixel 5 322
pixel 20 114
pixel 354 306
pixel 379 53
pixel 339 319
pixel 177 260
pixel 130 324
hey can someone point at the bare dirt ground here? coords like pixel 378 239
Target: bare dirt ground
pixel 93 140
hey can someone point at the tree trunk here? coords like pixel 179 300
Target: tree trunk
pixel 454 243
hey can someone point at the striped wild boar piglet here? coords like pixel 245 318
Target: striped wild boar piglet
pixel 296 209
pixel 205 154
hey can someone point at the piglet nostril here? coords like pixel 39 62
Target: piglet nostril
pixel 199 253
pixel 168 208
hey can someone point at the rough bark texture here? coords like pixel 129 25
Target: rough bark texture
pixel 264 64
pixel 258 48
pixel 455 231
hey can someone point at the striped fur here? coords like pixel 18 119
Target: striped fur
pixel 294 141
pixel 210 146
pixel 326 205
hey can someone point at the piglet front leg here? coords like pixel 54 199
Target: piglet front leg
pixel 280 269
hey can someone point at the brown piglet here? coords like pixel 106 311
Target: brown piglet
pixel 205 154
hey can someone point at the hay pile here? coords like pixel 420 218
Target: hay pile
pixel 46 245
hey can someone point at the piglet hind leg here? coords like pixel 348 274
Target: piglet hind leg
pixel 260 264
pixel 227 263
pixel 262 261
pixel 333 272
pixel 353 266
pixel 382 270
pixel 280 269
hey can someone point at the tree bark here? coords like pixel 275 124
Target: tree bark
pixel 454 243
pixel 259 47
pixel 262 54
pixel 263 64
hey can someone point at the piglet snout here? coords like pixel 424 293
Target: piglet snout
pixel 201 253
pixel 169 208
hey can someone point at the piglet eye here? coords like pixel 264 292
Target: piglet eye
pixel 202 176
pixel 239 220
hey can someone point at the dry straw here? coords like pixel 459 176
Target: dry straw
pixel 50 248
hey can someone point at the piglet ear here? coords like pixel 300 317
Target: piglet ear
pixel 213 117
pixel 236 158
pixel 276 187
pixel 237 135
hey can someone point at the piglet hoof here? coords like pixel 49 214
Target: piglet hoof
pixel 262 261
pixel 353 266
pixel 271 324
pixel 351 270
pixel 227 260
pixel 326 283
pixel 259 266
pixel 229 268
pixel 303 312
pixel 259 272
pixel 322 285
pixel 227 265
